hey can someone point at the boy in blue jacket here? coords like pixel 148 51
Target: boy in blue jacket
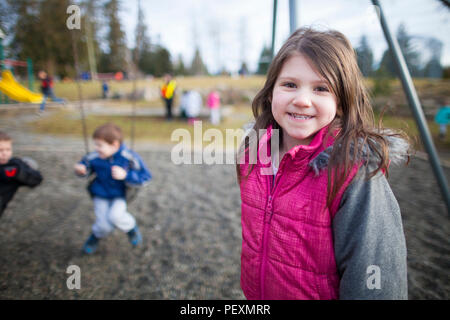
pixel 116 169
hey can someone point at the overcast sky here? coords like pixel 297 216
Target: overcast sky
pixel 228 31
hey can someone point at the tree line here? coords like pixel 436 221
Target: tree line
pixel 385 68
pixel 37 29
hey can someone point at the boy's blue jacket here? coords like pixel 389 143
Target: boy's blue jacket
pixel 104 185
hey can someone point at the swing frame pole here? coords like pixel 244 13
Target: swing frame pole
pixel 80 93
pixel 274 25
pixel 292 16
pixel 414 103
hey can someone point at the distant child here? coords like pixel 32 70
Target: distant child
pixel 14 172
pixel 213 103
pixel 167 94
pixel 105 89
pixel 47 89
pixel 183 103
pixel 115 168
pixel 193 105
pixel 442 118
pixel 319 220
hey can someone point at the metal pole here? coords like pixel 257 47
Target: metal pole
pixel 30 74
pixel 274 25
pixel 292 16
pixel 2 35
pixel 80 95
pixel 415 105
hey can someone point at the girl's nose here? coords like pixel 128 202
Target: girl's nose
pixel 302 98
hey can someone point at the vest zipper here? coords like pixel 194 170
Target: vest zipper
pixel 269 211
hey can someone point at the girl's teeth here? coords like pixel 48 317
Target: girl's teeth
pixel 300 117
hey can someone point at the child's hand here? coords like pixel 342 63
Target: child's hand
pixel 80 169
pixel 118 173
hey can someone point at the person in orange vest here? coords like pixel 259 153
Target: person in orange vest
pixel 168 93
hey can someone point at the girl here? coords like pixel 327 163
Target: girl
pixel 324 223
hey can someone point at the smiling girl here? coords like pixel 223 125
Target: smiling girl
pixel 325 224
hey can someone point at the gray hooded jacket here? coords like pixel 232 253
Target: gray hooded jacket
pixel 369 242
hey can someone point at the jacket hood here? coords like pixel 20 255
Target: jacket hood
pixel 398 153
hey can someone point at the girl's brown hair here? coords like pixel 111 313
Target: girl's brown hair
pixel 108 132
pixel 331 53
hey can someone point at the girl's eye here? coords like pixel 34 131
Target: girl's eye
pixel 289 85
pixel 322 89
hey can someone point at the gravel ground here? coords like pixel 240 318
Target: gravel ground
pixel 189 216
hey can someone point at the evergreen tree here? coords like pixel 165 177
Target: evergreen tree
pixel 40 33
pixel 90 27
pixel 180 69
pixel 142 49
pixel 264 60
pixel 433 69
pixel 161 62
pixel 197 66
pixel 412 57
pixel 5 17
pixel 365 57
pixel 387 66
pixel 115 59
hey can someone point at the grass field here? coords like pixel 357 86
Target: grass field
pixel 147 128
pixel 92 89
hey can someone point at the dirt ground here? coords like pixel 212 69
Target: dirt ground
pixel 189 216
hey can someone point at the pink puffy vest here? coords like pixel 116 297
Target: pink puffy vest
pixel 287 240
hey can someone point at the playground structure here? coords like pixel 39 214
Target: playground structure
pixel 192 252
pixel 15 91
pixel 9 86
pixel 403 73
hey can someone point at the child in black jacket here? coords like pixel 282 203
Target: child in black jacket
pixel 14 172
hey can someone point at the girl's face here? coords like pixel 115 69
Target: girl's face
pixel 302 101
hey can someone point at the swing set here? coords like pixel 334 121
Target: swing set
pixel 397 55
pixel 408 88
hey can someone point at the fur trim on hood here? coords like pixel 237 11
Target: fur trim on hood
pixel 398 153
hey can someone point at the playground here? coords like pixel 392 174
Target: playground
pixel 189 214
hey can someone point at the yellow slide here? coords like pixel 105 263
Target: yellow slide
pixel 17 92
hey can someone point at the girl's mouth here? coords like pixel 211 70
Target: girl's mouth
pixel 297 116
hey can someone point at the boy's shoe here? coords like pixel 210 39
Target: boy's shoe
pixel 134 236
pixel 91 244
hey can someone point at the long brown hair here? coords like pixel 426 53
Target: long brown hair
pixel 331 53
